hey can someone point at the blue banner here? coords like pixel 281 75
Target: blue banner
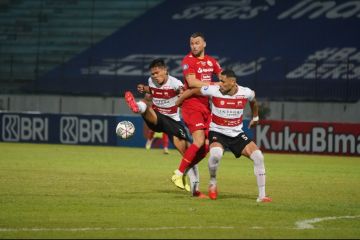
pixel 72 129
pixel 300 49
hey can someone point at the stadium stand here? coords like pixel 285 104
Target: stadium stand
pixel 297 50
pixel 40 34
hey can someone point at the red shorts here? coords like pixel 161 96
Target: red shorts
pixel 197 119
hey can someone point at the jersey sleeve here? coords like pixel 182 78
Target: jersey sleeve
pixel 250 94
pixel 177 84
pixel 150 82
pixel 187 67
pixel 209 90
pixel 217 67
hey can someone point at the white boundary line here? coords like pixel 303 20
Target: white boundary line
pixel 307 224
pixel 300 225
pixel 107 229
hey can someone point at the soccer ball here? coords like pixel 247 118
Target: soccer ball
pixel 125 129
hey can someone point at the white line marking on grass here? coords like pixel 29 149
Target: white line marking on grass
pixel 307 224
pixel 39 229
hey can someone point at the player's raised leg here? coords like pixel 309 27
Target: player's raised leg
pixel 140 107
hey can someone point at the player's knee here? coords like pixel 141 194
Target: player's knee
pixel 216 153
pixel 258 158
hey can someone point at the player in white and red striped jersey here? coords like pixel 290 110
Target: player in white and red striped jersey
pixel 226 127
pixel 164 115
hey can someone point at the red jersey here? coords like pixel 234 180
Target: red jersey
pixel 203 70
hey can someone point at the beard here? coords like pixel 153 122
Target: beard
pixel 198 54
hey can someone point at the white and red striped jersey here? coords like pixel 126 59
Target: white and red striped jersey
pixel 227 111
pixel 164 96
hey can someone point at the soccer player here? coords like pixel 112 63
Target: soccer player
pixel 151 136
pixel 226 128
pixel 164 115
pixel 198 70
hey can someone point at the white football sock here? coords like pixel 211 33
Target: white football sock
pixel 259 171
pixel 213 163
pixel 194 177
pixel 142 106
pixel 177 172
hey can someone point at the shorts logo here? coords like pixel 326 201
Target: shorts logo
pixel 182 133
pixel 199 124
pixel 185 66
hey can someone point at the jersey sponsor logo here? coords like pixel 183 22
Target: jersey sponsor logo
pixel 205 70
pixel 237 103
pixel 75 130
pixel 233 122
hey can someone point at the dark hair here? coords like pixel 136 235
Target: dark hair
pixel 158 62
pixel 228 73
pixel 198 34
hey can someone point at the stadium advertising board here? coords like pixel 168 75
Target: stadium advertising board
pixel 271 136
pixel 299 49
pixel 309 137
pixel 66 129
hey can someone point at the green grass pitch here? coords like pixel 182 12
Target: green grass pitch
pixel 65 191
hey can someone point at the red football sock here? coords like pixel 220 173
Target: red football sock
pixel 165 140
pixel 200 155
pixel 188 157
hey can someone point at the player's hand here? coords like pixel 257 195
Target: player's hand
pixel 254 122
pixel 179 101
pixel 141 88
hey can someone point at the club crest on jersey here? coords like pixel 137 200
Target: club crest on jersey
pixel 185 66
pixel 209 63
pixel 222 102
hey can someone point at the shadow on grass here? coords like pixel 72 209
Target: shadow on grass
pixel 222 195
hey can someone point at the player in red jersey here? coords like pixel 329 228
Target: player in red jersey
pixel 198 70
pixel 226 128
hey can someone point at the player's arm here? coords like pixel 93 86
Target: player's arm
pixel 255 112
pixel 186 94
pixel 143 88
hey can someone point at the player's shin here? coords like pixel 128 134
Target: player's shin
pixel 259 171
pixel 194 179
pixel 213 163
pixel 142 106
pixel 187 158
